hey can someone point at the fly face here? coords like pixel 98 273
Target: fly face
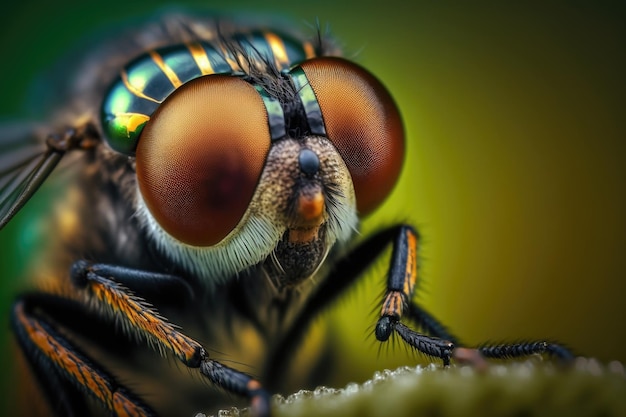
pixel 293 218
pixel 305 192
pixel 218 162
pixel 235 164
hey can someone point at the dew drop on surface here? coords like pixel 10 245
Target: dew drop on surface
pixel 352 388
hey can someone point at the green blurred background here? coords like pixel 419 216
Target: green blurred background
pixel 515 117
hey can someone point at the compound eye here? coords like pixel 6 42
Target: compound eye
pixel 200 158
pixel 363 122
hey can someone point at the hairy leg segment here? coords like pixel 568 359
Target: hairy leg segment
pixel 67 374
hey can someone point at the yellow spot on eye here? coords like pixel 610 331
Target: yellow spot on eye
pixel 131 121
pixel 135 120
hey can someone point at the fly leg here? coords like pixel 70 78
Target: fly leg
pixel 398 303
pixel 401 282
pixel 65 373
pixel 113 301
pixel 140 319
pixel 496 351
pixel 515 350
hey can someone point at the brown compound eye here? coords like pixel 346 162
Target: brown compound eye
pixel 200 158
pixel 364 124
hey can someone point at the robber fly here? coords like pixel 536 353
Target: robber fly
pixel 214 175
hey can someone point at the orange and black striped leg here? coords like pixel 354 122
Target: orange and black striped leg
pixel 140 319
pixel 401 280
pixel 66 374
pixel 398 304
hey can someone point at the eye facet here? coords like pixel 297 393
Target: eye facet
pixel 363 123
pixel 200 158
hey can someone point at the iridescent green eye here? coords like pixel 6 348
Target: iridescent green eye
pixel 123 131
pixel 127 107
pixel 147 81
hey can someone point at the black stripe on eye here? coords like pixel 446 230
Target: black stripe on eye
pixel 309 101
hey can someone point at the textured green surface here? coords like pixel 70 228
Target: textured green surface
pixel 530 388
